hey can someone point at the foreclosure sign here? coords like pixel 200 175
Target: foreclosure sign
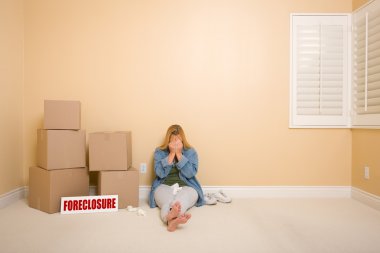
pixel 89 204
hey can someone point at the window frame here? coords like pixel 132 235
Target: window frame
pixel 320 121
pixel 365 121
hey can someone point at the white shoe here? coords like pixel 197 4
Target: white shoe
pixel 222 197
pixel 210 199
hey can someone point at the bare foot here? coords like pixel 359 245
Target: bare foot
pixel 174 211
pixel 182 219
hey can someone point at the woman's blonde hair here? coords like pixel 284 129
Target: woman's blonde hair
pixel 175 130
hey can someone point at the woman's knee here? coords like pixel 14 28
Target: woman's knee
pixel 187 197
pixel 162 195
pixel 192 193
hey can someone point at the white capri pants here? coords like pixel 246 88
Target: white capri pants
pixel 165 198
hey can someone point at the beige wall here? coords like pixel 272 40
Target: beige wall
pixel 11 102
pixel 218 68
pixel 128 65
pixel 357 3
pixel 365 152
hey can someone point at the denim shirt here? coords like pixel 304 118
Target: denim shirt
pixel 188 168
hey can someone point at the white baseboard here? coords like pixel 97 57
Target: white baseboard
pixel 93 190
pixel 232 191
pixel 144 192
pixel 12 196
pixel 283 191
pixel 273 191
pixel 366 198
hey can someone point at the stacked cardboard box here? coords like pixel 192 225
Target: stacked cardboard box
pixel 110 153
pixel 61 157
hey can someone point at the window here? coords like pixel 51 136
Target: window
pixel 366 66
pixel 320 70
pixel 334 84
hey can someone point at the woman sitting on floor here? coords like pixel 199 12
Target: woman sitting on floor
pixel 175 188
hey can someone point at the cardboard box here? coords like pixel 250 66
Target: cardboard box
pixel 60 114
pixel 61 149
pixel 110 151
pixel 122 183
pixel 47 187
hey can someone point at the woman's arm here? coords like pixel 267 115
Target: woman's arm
pixel 188 165
pixel 162 166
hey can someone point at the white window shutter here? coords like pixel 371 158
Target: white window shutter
pixel 366 66
pixel 319 78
